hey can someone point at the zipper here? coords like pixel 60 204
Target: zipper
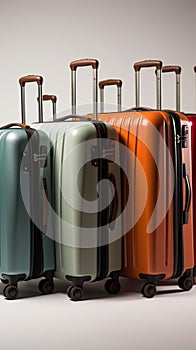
pixel 36 243
pixel 180 138
pixel 103 173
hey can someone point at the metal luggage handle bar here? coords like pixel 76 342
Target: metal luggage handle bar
pixel 107 82
pixel 110 82
pixel 177 71
pixel 52 98
pixel 194 69
pixel 31 79
pixel 168 69
pixel 146 64
pixel 84 63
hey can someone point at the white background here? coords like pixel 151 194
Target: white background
pixel 43 37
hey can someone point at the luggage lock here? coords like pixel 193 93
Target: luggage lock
pixel 184 138
pixel 42 157
pixel 105 151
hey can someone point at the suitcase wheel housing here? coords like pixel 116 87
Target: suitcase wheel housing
pixel 10 292
pixel 46 286
pixel 149 290
pixel 75 293
pixel 185 282
pixel 112 286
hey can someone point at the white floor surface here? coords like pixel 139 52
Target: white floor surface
pixel 126 321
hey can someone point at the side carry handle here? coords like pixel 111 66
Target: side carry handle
pixel 31 79
pixel 110 82
pixel 146 64
pixel 114 204
pixel 10 125
pixel 177 71
pixel 188 195
pixel 84 63
pixel 73 117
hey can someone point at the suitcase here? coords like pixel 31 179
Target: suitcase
pixel 88 241
pixel 192 118
pixel 158 241
pixel 110 82
pixel 26 252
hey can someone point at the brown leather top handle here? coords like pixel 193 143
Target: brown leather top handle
pixel 116 82
pixel 147 63
pixel 168 69
pixel 31 78
pixel 52 98
pixel 84 63
pixel 10 125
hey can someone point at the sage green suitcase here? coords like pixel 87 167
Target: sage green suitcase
pixel 87 229
pixel 86 218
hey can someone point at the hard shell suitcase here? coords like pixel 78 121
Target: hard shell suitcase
pixel 192 118
pixel 158 241
pixel 87 243
pixel 110 82
pixel 26 252
pixel 85 224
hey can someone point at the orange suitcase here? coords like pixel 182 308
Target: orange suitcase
pixel 158 230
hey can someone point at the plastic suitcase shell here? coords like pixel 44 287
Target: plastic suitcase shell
pixel 167 252
pixel 192 118
pixel 156 255
pixel 76 261
pixel 62 136
pixel 26 253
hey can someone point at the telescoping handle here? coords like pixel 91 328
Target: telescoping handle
pixel 31 79
pixel 110 82
pixel 84 63
pixel 53 99
pixel 194 69
pixel 146 64
pixel 177 71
